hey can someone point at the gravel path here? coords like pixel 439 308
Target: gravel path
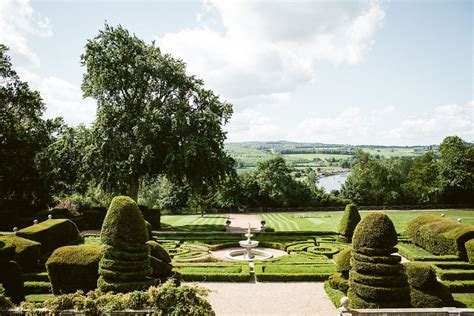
pixel 240 222
pixel 293 298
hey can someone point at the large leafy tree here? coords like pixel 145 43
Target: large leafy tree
pixel 152 118
pixel 456 170
pixel 23 135
pixel 422 180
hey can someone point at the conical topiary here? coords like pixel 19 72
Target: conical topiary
pixel 125 263
pixel 376 279
pixel 348 223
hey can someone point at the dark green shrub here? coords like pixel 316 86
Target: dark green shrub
pixel 52 234
pixel 337 281
pixel 5 302
pixel 160 268
pixel 73 268
pixel 12 280
pixel 7 251
pixel 470 250
pixel 425 290
pixel 343 262
pixel 376 230
pixel 348 223
pixel 125 264
pixel 93 219
pixel 27 252
pixel 377 279
pixel 440 236
pixel 153 216
pixel 149 230
pixel 157 251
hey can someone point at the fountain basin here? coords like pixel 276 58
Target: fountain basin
pixel 242 254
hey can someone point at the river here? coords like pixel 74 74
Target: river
pixel 334 182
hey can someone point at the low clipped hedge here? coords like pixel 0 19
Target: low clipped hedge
pixel 293 271
pixel 414 253
pixel 12 280
pixel 440 236
pixel 27 252
pixel 52 234
pixel 225 272
pixel 469 245
pixel 73 268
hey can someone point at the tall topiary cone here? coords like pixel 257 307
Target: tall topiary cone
pixel 377 278
pixel 348 223
pixel 125 263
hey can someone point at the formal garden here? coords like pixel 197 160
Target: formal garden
pixel 126 213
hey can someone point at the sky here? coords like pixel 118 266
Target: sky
pixel 348 72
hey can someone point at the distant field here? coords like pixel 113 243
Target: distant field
pixel 329 221
pixel 193 222
pixel 312 156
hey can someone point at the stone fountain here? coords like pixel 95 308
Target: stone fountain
pixel 250 251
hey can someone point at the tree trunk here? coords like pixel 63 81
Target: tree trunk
pixel 133 188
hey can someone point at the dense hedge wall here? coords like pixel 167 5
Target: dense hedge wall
pixel 439 235
pixel 125 264
pixel 425 290
pixel 52 234
pixel 12 280
pixel 469 245
pixel 348 223
pixel 27 252
pixel 73 268
pixel 377 278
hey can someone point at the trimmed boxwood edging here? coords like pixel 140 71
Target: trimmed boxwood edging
pixel 197 272
pixel 73 268
pixel 27 252
pixel 52 234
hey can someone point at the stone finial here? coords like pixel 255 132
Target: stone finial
pixel 15 229
pixel 344 303
pixel 50 216
pixel 459 220
pixel 442 215
pixel 35 222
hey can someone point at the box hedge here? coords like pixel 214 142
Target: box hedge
pixel 440 236
pixel 425 290
pixel 52 234
pixel 469 245
pixel 27 252
pixel 73 268
pixel 348 223
pixel 125 264
pixel 157 251
pixel 12 280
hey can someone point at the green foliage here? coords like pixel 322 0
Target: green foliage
pixel 167 299
pixel 334 295
pixel 73 268
pixel 24 134
pixel 377 279
pixel 376 230
pixel 337 281
pixel 149 230
pixel 456 170
pixel 160 268
pixel 425 290
pixel 343 261
pixel 152 118
pixel 157 251
pixel 12 280
pixel 440 236
pixel 125 265
pixel 27 252
pixel 422 181
pixel 214 271
pixel 5 302
pixel 348 223
pixel 52 233
pixel 470 250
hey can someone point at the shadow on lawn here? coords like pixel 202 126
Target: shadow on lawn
pixel 193 228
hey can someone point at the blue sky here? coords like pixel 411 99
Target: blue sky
pixel 358 72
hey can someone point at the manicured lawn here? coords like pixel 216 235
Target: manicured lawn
pixel 329 221
pixel 193 222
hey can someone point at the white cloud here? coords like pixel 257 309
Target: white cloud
pixel 17 20
pixel 444 120
pixel 272 47
pixel 249 125
pixel 355 127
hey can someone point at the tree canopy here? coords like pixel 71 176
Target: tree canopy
pixel 152 118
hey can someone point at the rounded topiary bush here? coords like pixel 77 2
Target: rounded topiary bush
pixel 425 290
pixel 376 279
pixel 348 223
pixel 157 251
pixel 73 268
pixel 343 262
pixel 469 245
pixel 125 264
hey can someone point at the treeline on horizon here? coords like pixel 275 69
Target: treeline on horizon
pixel 158 137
